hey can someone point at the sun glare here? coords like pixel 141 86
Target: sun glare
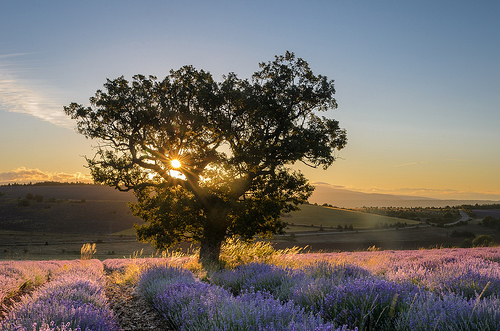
pixel 175 163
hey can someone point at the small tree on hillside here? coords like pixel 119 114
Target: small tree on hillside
pixel 208 160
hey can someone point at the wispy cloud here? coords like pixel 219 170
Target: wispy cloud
pixel 21 96
pixel 25 175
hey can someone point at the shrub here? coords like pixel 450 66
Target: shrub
pixel 368 303
pixel 200 306
pixel 75 300
pixel 157 278
pixel 449 312
pixel 253 277
pixel 23 203
pixel 483 240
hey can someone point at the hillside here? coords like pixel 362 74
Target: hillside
pixel 341 197
pixel 103 210
pixel 65 209
pixel 331 218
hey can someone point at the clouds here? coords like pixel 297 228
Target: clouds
pixel 20 96
pixel 25 175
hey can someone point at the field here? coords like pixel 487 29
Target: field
pixel 52 222
pixel 331 218
pixel 439 289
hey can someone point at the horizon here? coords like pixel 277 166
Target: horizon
pixel 327 195
pixel 416 83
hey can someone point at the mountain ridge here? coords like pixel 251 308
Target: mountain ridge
pixel 342 197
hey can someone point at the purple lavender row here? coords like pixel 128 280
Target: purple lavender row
pixel 461 271
pixel 187 304
pixel 75 300
pixel 350 295
pixel 22 275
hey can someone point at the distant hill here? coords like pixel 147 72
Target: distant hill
pixel 344 198
pixel 326 217
pixel 100 209
pixel 67 191
pixel 65 209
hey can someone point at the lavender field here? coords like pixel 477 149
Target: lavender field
pixel 446 289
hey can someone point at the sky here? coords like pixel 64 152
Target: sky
pixel 417 82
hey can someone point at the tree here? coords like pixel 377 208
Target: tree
pixel 209 160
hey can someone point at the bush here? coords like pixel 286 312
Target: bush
pixel 253 277
pixel 23 203
pixel 449 312
pixel 369 304
pixel 462 234
pixel 156 279
pixel 200 306
pixel 483 240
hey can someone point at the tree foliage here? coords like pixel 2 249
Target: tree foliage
pixel 236 140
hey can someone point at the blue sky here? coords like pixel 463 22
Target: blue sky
pixel 417 82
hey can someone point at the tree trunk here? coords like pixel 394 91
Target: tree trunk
pixel 214 232
pixel 210 252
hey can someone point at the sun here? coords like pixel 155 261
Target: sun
pixel 175 163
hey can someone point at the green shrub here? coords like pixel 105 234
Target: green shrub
pixel 483 240
pixel 23 203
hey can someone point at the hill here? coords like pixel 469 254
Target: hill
pixel 332 218
pixel 341 197
pixel 65 209
pixel 101 209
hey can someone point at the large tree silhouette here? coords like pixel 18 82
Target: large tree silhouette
pixel 232 141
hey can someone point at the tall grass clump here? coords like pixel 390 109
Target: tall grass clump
pixel 88 251
pixel 235 251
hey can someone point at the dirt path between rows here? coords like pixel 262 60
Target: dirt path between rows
pixel 131 311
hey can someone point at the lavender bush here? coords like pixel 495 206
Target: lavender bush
pixel 431 311
pixel 155 279
pixel 16 276
pixel 254 277
pixel 368 303
pixel 200 306
pixel 74 301
pixel 340 273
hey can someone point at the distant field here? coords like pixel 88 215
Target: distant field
pixel 312 217
pixel 481 213
pixel 68 216
pixel 330 218
pixel 65 209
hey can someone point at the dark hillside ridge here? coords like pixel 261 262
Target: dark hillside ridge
pixel 65 209
pixel 344 198
pixel 68 192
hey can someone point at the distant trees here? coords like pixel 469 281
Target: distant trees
pixel 491 222
pixel 483 240
pixel 209 160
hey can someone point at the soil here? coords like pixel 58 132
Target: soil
pixel 131 311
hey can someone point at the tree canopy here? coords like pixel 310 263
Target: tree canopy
pixel 208 159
